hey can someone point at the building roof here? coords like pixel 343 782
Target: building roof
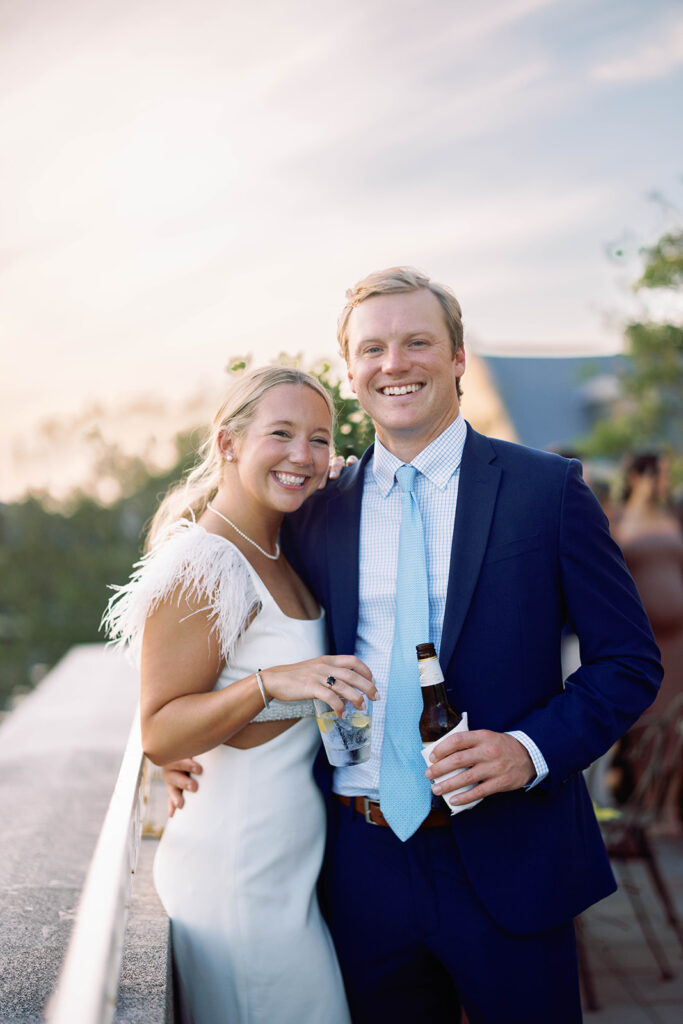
pixel 553 401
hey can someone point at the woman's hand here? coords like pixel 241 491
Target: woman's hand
pixel 307 679
pixel 337 463
pixel 178 776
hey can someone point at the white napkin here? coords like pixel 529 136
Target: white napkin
pixel 426 751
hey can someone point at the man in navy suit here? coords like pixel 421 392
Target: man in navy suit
pixel 474 908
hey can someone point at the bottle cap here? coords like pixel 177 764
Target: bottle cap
pixel 425 650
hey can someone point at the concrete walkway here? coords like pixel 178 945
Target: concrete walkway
pixel 626 977
pixel 59 757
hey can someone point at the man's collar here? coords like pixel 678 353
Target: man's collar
pixel 438 461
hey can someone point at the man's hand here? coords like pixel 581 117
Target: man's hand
pixel 178 776
pixel 493 761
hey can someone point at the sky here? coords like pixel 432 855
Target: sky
pixel 183 183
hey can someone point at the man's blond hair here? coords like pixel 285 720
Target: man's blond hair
pixel 399 279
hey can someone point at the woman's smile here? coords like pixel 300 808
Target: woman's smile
pixel 292 481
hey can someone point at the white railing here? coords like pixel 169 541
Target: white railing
pixel 88 983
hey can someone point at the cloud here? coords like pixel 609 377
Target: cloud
pixel 183 182
pixel 656 56
pixel 478 23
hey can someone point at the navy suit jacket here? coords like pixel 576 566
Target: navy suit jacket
pixel 531 550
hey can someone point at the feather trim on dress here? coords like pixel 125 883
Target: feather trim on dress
pixel 200 566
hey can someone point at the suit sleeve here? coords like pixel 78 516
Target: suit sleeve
pixel 620 668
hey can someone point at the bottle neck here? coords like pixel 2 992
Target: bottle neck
pixel 433 694
pixel 430 672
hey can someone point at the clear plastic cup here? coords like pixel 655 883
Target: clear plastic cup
pixel 346 739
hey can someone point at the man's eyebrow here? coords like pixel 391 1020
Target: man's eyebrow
pixel 419 333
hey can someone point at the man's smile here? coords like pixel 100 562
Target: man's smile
pixel 401 389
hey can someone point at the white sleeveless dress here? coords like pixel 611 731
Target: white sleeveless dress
pixel 236 869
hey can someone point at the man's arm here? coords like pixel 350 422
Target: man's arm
pixel 620 671
pixel 618 678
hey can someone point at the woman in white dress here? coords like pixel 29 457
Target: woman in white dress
pixel 231 652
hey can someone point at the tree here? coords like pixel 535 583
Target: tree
pixel 353 430
pixel 56 565
pixel 648 412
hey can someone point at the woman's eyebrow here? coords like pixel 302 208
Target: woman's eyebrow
pixel 290 423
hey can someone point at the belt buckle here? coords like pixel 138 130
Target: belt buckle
pixel 366 810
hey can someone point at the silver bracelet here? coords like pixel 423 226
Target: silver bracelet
pixel 257 673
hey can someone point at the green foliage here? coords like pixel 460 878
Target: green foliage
pixel 56 563
pixel 353 428
pixel 56 566
pixel 664 262
pixel 648 413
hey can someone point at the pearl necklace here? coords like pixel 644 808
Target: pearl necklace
pixel 273 558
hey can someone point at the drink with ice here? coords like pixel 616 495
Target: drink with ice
pixel 346 739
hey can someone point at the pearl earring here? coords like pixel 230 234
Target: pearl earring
pixel 229 458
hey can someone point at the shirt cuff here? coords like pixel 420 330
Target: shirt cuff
pixel 540 763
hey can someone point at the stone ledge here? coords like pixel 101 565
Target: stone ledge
pixel 146 989
pixel 60 753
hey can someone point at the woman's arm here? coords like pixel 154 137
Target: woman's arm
pixel 181 714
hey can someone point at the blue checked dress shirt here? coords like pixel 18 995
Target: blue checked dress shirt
pixel 436 491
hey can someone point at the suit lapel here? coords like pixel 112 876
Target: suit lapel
pixel 343 555
pixel 477 490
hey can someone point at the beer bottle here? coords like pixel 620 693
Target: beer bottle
pixel 438 717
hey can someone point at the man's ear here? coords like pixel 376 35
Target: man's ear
pixel 460 361
pixel 349 377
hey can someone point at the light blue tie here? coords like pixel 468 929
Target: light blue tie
pixel 404 792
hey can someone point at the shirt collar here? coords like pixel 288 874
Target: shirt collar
pixel 438 461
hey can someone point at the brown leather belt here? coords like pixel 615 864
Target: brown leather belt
pixel 438 817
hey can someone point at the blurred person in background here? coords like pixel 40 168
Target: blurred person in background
pixel 598 482
pixel 602 489
pixel 598 775
pixel 649 534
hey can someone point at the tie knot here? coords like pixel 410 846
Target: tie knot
pixel 406 478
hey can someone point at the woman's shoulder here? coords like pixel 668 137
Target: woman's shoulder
pixel 667 543
pixel 188 543
pixel 187 563
pixel 633 525
pixel 188 559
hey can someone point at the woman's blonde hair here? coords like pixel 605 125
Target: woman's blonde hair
pixel 189 498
